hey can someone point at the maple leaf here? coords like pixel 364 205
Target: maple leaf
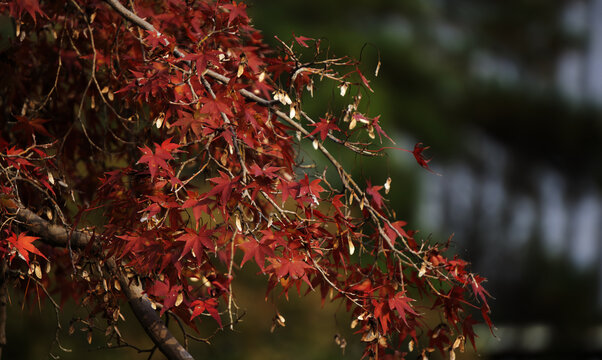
pixel 31 6
pixel 223 186
pixel 169 294
pixel 401 303
pixel 420 159
pixel 155 39
pixel 203 58
pixel 382 314
pixel 257 250
pixel 159 158
pixel 199 205
pixel 392 234
pixel 313 188
pixel 478 289
pixel 195 242
pixel 209 305
pixel 215 107
pixel 379 130
pixel 468 331
pixel 301 40
pixel 295 268
pixel 364 80
pixel 374 192
pixel 15 158
pixel 24 246
pixel 336 202
pixel 29 126
pixel 324 126
pixel 236 11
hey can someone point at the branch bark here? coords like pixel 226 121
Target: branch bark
pixel 60 236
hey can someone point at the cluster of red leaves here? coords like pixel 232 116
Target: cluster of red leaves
pixel 221 186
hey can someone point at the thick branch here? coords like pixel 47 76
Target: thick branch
pixel 60 236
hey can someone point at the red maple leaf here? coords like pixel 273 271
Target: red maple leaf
pixel 162 289
pixel 29 126
pixel 209 305
pixel 301 40
pixel 418 154
pixel 215 107
pixel 324 126
pixel 364 80
pixel 257 250
pixel 401 303
pixel 313 188
pixel 24 245
pixel 204 57
pixel 236 11
pixel 31 6
pixel 295 268
pixel 155 39
pixel 376 196
pixel 468 331
pixel 196 241
pixel 159 158
pixel 392 234
pixel 336 202
pixel 223 186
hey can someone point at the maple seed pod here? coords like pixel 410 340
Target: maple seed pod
pixel 49 214
pixel 50 178
pixel 261 76
pixel 388 185
pixel 238 224
pixel 111 96
pixel 411 345
pixel 159 120
pixel 354 323
pixel 351 247
pixel 310 88
pixel 344 87
pixel 370 336
pixel 38 271
pixel 422 270
pixel 315 143
pixel 179 299
pixel 377 68
pixel 353 123
pixel 371 132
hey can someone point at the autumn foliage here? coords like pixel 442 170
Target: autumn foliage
pixel 154 145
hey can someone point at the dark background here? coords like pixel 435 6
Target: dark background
pixel 507 94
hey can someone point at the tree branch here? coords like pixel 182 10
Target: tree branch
pixel 60 236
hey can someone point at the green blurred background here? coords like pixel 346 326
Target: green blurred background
pixel 508 95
